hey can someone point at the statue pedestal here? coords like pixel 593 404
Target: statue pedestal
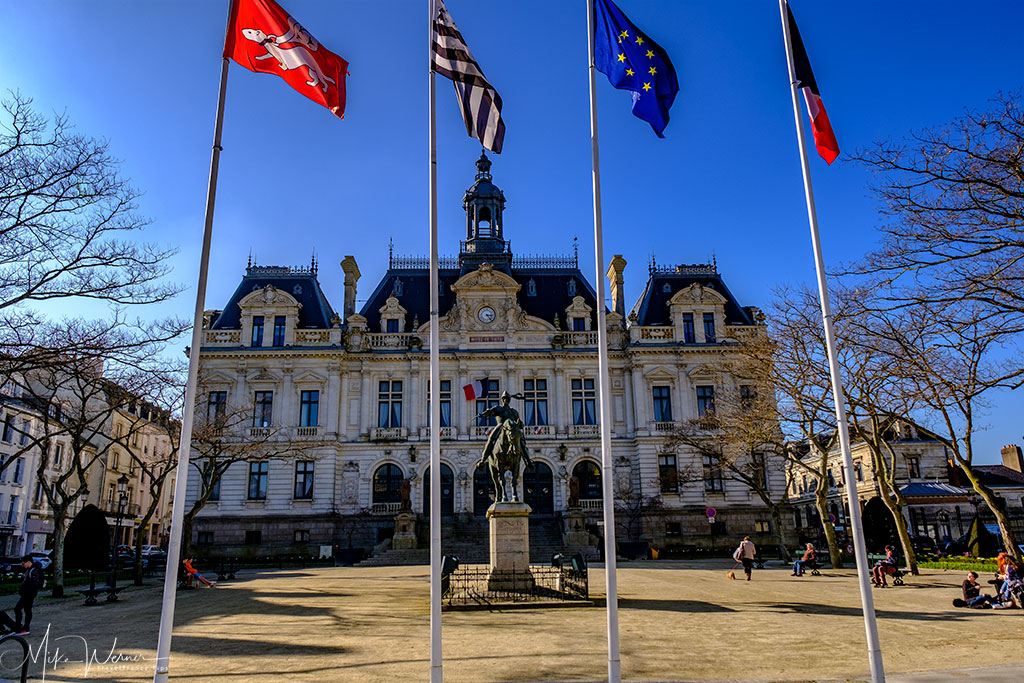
pixel 405 530
pixel 510 547
pixel 576 527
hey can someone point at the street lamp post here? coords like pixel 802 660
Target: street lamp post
pixel 122 501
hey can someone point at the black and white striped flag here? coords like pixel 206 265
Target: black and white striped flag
pixel 479 101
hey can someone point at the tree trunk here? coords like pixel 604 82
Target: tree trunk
pixel 895 507
pixel 59 515
pixel 998 507
pixel 143 524
pixel 777 520
pixel 821 502
pixel 186 538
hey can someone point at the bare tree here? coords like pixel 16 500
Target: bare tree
pixel 223 435
pixel 950 357
pixel 77 401
pixel 955 195
pixel 742 437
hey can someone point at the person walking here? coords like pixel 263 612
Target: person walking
pixel 745 554
pixel 31 583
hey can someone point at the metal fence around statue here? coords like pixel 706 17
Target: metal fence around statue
pixel 473 584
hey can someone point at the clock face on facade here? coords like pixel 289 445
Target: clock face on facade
pixel 485 314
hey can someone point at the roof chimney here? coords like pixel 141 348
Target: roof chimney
pixel 614 275
pixel 1012 457
pixel 351 270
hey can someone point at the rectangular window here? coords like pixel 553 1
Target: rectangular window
pixel 705 401
pixel 831 479
pixel 204 538
pixel 216 405
pixel 913 467
pixel 673 529
pixel 709 328
pixel 762 526
pixel 8 429
pixel 26 430
pixel 389 403
pixel 579 324
pixel 304 480
pixel 662 404
pixel 689 336
pixel 253 537
pixel 264 403
pixel 279 330
pixel 489 401
pixel 19 470
pixel 445 400
pixel 860 471
pixel 12 511
pixel 712 475
pixel 759 470
pixel 258 472
pixel 257 330
pixel 583 403
pixel 535 401
pixel 747 397
pixel 668 474
pixel 302 535
pixel 214 488
pixel 37 497
pixel 58 454
pixel 3 472
pixel 391 325
pixel 309 408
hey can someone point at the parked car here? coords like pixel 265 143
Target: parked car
pixel 153 551
pixel 924 544
pixel 42 558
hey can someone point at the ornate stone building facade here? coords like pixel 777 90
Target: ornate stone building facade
pixel 350 393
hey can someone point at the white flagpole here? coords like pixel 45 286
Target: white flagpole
pixel 163 648
pixel 436 665
pixel 866 599
pixel 607 466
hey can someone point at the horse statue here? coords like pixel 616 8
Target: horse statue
pixel 505 450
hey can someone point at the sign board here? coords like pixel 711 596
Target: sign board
pixel 711 520
pixel 326 551
pixel 832 518
pixel 710 512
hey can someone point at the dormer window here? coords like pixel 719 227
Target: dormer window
pixel 572 286
pixel 279 328
pixel 667 288
pixel 689 336
pixel 257 330
pixel 391 325
pixel 398 287
pixel 579 324
pixel 297 289
pixel 531 288
pixel 709 328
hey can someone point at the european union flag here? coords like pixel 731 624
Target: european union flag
pixel 632 61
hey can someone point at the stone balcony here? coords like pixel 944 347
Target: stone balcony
pixel 389 434
pixel 584 431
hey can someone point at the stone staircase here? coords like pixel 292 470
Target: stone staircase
pixel 469 541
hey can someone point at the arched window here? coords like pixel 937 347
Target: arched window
pixel 387 484
pixel 538 489
pixel 447 491
pixel 589 476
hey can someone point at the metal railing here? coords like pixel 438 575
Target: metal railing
pixel 478 584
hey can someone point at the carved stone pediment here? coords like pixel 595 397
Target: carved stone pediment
pixel 697 294
pixel 702 372
pixel 660 373
pixel 485 300
pixel 310 377
pixel 217 377
pixel 486 279
pixel 269 296
pixel 263 375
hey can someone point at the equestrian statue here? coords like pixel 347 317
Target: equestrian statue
pixel 505 448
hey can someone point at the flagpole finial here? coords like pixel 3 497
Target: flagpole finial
pixel 483 166
pixel 249 265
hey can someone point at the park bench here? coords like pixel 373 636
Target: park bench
pixel 898 574
pixel 92 592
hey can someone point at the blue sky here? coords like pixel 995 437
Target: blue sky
pixel 725 181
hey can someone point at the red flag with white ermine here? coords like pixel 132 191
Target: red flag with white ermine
pixel 264 38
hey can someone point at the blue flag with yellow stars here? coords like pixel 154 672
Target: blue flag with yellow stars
pixel 632 61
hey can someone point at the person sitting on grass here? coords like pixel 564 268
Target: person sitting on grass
pixel 193 573
pixel 973 597
pixel 885 567
pixel 801 564
pixel 1010 575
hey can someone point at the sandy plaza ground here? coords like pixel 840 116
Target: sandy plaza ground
pixel 679 621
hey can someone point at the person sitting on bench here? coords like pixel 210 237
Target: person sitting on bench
pixel 805 561
pixel 885 566
pixel 194 574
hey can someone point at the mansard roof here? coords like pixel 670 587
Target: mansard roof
pixel 652 307
pixel 550 276
pixel 315 311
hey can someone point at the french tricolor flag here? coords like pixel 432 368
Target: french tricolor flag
pixel 824 138
pixel 475 390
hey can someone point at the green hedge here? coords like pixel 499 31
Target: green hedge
pixel 978 564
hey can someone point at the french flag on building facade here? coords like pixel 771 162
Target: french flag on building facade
pixel 475 390
pixel 824 138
